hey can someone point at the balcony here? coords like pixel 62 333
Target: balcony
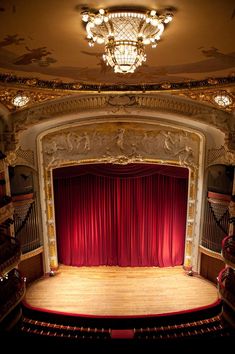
pixel 228 250
pixel 12 291
pixel 10 252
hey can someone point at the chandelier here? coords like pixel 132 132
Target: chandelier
pixel 125 34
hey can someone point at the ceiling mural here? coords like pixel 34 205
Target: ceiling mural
pixel 44 52
pixel 47 40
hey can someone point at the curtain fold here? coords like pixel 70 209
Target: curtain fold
pixel 132 216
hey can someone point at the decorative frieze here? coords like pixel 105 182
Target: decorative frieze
pixel 121 143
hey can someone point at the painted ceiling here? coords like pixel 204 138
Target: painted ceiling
pixel 46 40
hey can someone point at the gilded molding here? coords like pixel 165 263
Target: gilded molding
pixel 35 96
pixel 11 158
pixel 207 96
pixel 56 84
pixel 121 143
pixel 23 119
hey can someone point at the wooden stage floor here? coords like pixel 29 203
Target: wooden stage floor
pixel 117 291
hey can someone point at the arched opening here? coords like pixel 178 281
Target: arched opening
pixel 121 143
pixel 125 215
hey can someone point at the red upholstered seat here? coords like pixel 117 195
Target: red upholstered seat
pixel 122 334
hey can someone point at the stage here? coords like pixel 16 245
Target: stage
pixel 120 291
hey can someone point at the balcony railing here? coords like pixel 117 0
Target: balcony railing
pixel 12 291
pixel 228 249
pixel 26 222
pixel 216 221
pixel 10 252
pixel 226 286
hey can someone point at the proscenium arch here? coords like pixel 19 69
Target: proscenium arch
pixel 164 143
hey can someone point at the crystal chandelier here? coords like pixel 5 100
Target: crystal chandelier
pixel 124 34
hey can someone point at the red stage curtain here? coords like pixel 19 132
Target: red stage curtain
pixel 132 215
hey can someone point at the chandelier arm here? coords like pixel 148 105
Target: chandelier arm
pixel 161 28
pixel 110 28
pixel 142 26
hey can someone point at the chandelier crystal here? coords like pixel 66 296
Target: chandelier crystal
pixel 125 34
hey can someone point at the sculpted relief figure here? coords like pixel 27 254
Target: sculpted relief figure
pixel 170 141
pixel 58 142
pixel 120 138
pixel 87 143
pixel 186 156
pixel 50 147
pixel 175 145
pixel 78 143
pixel 150 143
pixel 73 141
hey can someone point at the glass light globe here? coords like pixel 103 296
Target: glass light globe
pixel 20 100
pixel 223 100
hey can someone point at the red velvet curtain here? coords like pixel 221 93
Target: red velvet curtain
pixel 132 215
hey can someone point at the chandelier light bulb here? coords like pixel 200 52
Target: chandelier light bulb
pixel 168 18
pixel 154 22
pixel 125 34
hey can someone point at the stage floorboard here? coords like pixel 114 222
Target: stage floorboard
pixel 118 291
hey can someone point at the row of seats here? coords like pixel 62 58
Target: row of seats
pixel 35 327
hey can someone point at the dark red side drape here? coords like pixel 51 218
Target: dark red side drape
pixel 132 215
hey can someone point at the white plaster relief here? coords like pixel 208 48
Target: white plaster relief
pixel 127 142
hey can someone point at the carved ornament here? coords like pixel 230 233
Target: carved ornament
pixel 35 96
pixel 23 119
pixel 19 156
pixel 6 78
pixel 221 156
pixel 207 96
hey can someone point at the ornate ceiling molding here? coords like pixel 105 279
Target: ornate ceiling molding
pixel 207 96
pixel 40 90
pixel 120 104
pixel 86 86
pixel 35 96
